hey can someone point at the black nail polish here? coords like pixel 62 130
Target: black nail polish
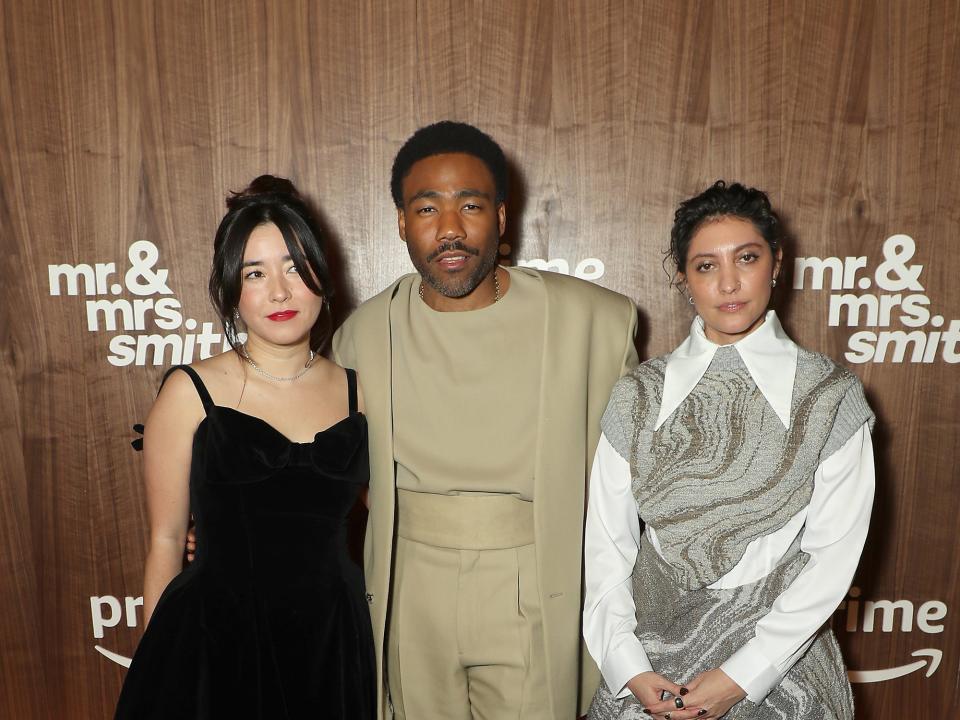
pixel 702 711
pixel 678 702
pixel 683 691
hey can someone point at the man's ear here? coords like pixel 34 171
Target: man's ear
pixel 502 218
pixel 402 224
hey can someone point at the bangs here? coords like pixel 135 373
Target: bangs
pixel 305 255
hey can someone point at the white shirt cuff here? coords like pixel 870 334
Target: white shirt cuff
pixel 623 663
pixel 751 670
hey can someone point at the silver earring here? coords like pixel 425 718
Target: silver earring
pixel 690 299
pixel 773 283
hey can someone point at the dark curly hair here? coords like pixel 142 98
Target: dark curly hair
pixel 719 201
pixel 268 199
pixel 443 137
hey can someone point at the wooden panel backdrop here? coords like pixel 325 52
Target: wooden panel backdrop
pixel 123 122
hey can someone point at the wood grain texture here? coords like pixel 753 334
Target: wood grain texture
pixel 127 121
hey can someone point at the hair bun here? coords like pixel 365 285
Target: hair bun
pixel 261 188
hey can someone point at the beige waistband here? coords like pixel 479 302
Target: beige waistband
pixel 464 522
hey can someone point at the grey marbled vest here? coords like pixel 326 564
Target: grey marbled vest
pixel 722 470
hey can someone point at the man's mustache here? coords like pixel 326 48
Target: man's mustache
pixel 448 246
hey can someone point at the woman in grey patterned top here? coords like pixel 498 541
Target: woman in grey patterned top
pixel 749 461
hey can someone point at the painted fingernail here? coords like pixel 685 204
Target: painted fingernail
pixel 683 691
pixel 702 711
pixel 678 702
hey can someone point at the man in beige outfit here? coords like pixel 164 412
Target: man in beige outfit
pixel 484 387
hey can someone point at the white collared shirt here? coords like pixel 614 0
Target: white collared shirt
pixel 833 525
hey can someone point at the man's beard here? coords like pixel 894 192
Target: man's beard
pixel 455 287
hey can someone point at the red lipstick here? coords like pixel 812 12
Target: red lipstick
pixel 283 315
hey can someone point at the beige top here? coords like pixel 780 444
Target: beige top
pixel 466 389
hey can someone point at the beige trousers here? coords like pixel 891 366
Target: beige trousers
pixel 465 640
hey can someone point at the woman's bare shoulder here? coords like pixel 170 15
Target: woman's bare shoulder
pixel 221 374
pixel 333 378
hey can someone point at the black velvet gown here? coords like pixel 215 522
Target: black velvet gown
pixel 269 621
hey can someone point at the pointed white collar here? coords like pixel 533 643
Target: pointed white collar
pixel 769 355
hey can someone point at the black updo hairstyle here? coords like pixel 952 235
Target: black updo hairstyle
pixel 445 137
pixel 269 199
pixel 716 202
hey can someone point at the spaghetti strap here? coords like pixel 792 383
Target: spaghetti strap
pixel 352 388
pixel 197 383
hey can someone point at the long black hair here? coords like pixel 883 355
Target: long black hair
pixel 269 199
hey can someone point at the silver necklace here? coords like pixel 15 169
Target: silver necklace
pixel 277 378
pixel 496 287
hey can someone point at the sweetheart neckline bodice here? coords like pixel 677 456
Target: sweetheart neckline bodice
pixel 273 429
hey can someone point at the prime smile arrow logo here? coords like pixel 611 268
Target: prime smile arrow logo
pixel 110 655
pixel 871 676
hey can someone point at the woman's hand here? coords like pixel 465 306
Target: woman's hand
pixel 714 692
pixel 708 696
pixel 649 687
pixel 191 547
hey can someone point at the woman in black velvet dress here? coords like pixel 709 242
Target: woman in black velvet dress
pixel 266 446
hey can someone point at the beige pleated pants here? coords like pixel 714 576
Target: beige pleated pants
pixel 465 639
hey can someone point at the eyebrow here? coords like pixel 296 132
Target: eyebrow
pixel 250 263
pixel 737 249
pixel 459 194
